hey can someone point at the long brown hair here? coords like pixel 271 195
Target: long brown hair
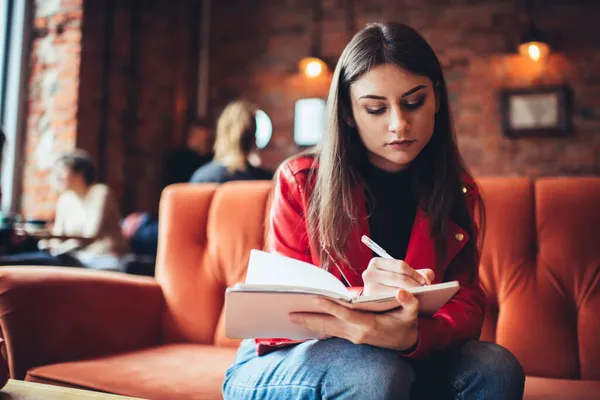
pixel 436 170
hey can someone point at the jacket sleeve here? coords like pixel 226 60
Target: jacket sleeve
pixel 461 319
pixel 287 220
pixel 288 235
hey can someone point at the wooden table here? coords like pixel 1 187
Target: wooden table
pixel 20 390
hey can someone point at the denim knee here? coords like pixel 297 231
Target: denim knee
pixel 493 370
pixel 366 372
pixel 326 369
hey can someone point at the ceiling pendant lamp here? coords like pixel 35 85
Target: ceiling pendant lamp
pixel 533 43
pixel 313 66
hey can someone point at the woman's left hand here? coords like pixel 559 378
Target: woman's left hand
pixel 397 329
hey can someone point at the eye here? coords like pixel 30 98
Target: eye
pixel 375 111
pixel 414 104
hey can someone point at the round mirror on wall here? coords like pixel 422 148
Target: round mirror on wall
pixel 264 129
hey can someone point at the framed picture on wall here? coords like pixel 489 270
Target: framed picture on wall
pixel 536 111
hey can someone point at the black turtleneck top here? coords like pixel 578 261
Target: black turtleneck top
pixel 391 208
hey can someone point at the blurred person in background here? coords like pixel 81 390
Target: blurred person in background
pixel 181 163
pixel 86 231
pixel 236 156
pixel 141 228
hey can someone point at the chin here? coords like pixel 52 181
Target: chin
pixel 400 160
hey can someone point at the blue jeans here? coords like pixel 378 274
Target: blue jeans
pixel 338 369
pixel 40 257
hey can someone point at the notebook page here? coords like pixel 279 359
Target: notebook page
pixel 274 269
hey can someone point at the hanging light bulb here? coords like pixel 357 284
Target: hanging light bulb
pixel 534 50
pixel 312 67
pixel 532 43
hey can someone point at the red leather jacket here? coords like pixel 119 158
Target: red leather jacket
pixel 459 320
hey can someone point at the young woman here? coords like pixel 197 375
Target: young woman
pixel 87 221
pixel 235 146
pixel 388 167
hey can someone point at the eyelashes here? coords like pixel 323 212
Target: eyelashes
pixel 408 106
pixel 376 111
pixel 413 105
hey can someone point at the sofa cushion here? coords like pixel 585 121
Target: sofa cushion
pixel 560 389
pixel 176 371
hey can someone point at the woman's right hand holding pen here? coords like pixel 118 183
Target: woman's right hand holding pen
pixel 388 275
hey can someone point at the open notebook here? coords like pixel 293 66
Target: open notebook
pixel 277 285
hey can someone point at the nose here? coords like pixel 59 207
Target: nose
pixel 398 122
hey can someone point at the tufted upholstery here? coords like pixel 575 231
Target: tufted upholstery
pixel 540 269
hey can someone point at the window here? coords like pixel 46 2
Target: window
pixel 5 8
pixel 15 17
pixel 309 121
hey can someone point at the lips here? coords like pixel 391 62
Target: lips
pixel 401 142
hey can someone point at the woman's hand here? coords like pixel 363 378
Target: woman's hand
pixel 397 329
pixel 385 276
pixel 43 244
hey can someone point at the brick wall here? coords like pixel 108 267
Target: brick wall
pixel 138 88
pixel 117 77
pixel 256 46
pixel 52 106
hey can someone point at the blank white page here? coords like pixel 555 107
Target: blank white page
pixel 274 269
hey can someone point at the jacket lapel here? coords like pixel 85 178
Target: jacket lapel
pixel 421 247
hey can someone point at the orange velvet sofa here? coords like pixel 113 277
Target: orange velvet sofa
pixel 164 338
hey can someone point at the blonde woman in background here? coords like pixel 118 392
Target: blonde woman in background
pixel 234 145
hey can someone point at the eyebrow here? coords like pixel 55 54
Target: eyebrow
pixel 408 93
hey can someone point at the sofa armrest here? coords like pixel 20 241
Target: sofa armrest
pixel 56 314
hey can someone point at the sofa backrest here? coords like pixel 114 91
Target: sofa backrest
pixel 205 235
pixel 540 269
pixel 540 265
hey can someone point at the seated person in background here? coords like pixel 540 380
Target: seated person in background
pixel 87 226
pixel 141 228
pixel 181 163
pixel 235 146
pixel 141 231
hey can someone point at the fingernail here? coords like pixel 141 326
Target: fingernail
pixel 402 294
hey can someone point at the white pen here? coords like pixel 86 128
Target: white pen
pixel 377 249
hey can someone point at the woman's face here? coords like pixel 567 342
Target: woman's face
pixel 394 112
pixel 66 179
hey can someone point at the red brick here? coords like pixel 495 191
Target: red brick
pixel 39 198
